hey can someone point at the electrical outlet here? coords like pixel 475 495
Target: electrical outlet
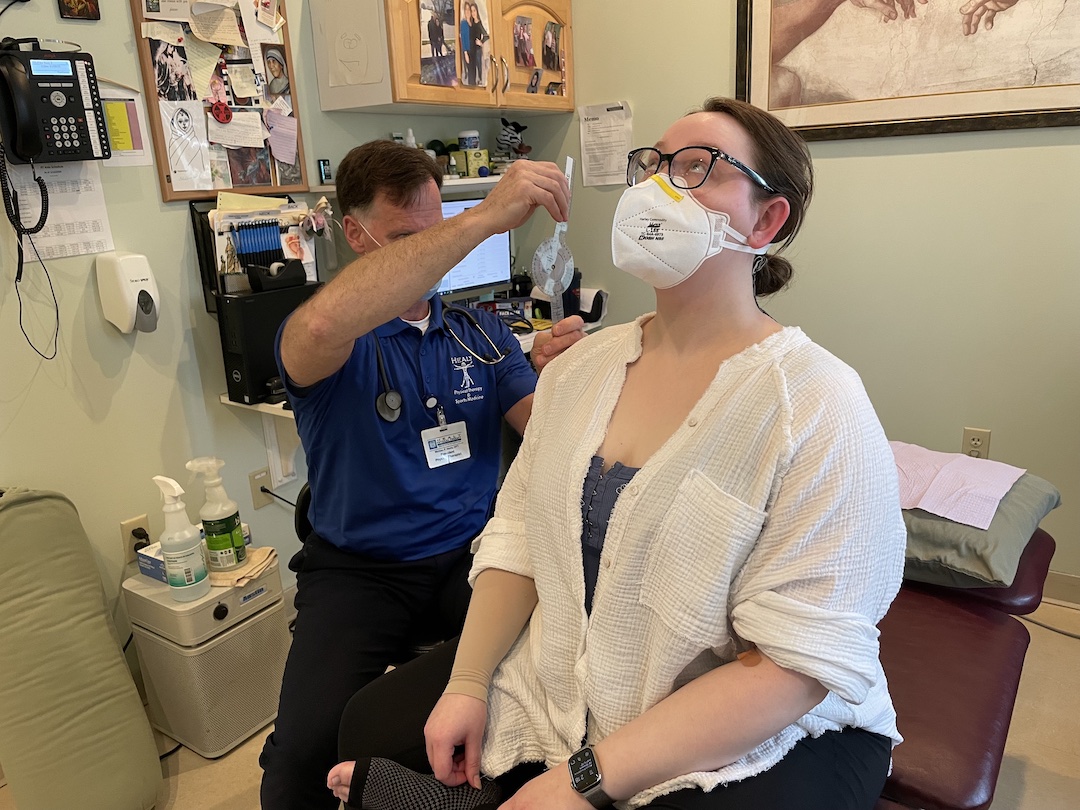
pixel 976 443
pixel 257 479
pixel 127 540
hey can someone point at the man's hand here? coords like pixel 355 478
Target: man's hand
pixel 550 343
pixel 453 734
pixel 984 11
pixel 525 186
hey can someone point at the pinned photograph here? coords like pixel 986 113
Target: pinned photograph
pixel 534 82
pixel 288 175
pixel 171 69
pixel 475 43
pixel 438 43
pixel 249 166
pixel 79 9
pixel 550 50
pixel 523 44
pixel 277 72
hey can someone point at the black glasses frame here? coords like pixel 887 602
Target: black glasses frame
pixel 717 154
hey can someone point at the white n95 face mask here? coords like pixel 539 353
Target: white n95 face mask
pixel 662 235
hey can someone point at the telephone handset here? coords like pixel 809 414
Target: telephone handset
pixel 50 106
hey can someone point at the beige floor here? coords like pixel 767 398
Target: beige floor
pixel 1041 769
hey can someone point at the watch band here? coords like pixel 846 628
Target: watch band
pixel 596 797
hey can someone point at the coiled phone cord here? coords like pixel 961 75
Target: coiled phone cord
pixel 11 209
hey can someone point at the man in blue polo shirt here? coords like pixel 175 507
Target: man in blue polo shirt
pixel 399 402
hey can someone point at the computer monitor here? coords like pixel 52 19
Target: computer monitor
pixel 485 269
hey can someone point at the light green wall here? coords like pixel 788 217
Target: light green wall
pixel 941 267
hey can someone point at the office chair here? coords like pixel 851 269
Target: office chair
pixel 420 644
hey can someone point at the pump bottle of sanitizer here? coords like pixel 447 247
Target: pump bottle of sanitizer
pixel 181 546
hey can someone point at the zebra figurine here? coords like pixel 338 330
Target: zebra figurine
pixel 509 139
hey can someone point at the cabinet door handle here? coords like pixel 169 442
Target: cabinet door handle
pixel 494 74
pixel 506 74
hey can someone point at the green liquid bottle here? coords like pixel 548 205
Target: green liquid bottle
pixel 220 517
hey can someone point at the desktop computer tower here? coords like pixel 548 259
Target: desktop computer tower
pixel 249 323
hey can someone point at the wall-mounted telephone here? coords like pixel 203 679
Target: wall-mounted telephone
pixel 50 106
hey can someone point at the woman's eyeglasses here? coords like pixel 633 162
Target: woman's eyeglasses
pixel 688 167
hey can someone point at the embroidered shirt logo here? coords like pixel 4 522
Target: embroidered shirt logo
pixel 463 364
pixel 468 391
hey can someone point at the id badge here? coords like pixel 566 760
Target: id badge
pixel 445 444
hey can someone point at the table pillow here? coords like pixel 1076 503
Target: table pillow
pixel 943 552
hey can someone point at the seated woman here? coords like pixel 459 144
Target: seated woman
pixel 678 592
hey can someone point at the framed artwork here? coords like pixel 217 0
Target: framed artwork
pixel 835 69
pixel 220 101
pixel 79 9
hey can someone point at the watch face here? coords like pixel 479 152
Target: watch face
pixel 584 772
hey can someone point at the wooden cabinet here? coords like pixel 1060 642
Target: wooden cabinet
pixel 371 55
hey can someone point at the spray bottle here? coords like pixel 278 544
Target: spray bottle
pixel 181 546
pixel 220 517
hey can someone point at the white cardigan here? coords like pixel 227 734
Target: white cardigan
pixel 770 517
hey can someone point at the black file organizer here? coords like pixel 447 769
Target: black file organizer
pixel 247 322
pixel 206 250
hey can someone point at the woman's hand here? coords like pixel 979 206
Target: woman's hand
pixel 454 733
pixel 550 790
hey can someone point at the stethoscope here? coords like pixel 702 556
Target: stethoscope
pixel 388 403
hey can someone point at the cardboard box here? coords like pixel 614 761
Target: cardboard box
pixel 152 564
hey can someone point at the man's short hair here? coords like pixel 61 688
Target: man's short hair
pixel 398 171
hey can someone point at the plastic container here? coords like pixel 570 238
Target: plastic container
pixel 220 517
pixel 181 546
pixel 410 139
pixel 468 139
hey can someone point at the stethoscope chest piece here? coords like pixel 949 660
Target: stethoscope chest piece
pixel 388 405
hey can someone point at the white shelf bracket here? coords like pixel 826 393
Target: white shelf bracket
pixel 282 441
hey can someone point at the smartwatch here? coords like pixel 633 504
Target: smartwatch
pixel 586 779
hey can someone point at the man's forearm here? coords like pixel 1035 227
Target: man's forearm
pixel 370 291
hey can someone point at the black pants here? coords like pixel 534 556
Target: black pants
pixel 355 616
pixel 842 770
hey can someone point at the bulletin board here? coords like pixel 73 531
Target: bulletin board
pixel 220 101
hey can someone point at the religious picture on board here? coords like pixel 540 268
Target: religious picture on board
pixel 249 166
pixel 438 43
pixel 220 175
pixel 276 73
pixel 550 50
pixel 524 56
pixel 475 40
pixel 171 69
pixel 78 9
pixel 186 145
pixel 288 175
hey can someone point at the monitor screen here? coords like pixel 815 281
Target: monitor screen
pixel 486 267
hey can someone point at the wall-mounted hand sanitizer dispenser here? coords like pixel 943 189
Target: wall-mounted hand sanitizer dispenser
pixel 129 293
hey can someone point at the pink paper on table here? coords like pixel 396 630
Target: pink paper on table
pixel 951 485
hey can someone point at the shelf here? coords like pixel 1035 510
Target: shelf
pixel 460 185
